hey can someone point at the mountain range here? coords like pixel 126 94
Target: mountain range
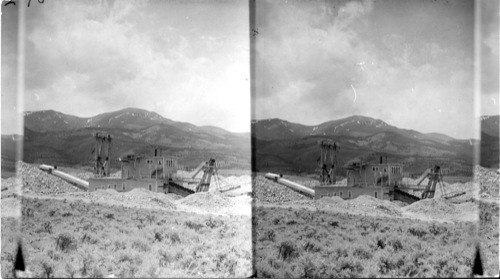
pixel 281 145
pixel 53 137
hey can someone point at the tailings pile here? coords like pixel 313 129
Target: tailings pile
pixel 370 205
pixel 215 203
pixel 268 191
pixel 36 181
pixel 138 197
pixel 435 208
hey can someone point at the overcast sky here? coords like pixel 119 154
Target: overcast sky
pixel 186 60
pixel 409 63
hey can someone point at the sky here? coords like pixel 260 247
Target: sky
pixel 408 63
pixel 186 60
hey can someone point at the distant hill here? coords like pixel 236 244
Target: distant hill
pixel 490 125
pixel 52 137
pixel 283 145
pixel 490 141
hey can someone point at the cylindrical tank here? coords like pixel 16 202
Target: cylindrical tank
pixel 80 183
pixel 290 184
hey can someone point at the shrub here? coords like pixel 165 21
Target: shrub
pixel 417 232
pixel 212 223
pixel 47 269
pixel 87 262
pixel 70 270
pixel 141 246
pixel 52 212
pixel 381 243
pixel 158 237
pixel 311 247
pixel 396 244
pixel 287 250
pixel 374 225
pixel 164 259
pixel 95 272
pixel 110 216
pixel 270 235
pixel 334 224
pixel 47 227
pixel 437 229
pixel 174 238
pixel 119 245
pixel 362 254
pixel 193 225
pixel 151 218
pixel 28 212
pixel 65 242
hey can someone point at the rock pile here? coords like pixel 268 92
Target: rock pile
pixel 370 204
pixel 432 207
pixel 36 181
pixel 268 191
pixel 138 197
pixel 205 200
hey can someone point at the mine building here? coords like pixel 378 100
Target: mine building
pixel 375 180
pixel 153 173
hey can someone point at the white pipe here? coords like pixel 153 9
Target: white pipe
pixel 292 185
pixel 80 183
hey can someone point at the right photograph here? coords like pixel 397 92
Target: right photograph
pixel 366 134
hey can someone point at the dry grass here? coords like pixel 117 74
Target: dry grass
pixel 77 239
pixel 292 243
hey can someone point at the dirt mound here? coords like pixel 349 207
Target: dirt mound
pixel 370 204
pixel 205 200
pixel 265 190
pixel 489 182
pixel 244 181
pixel 36 181
pixel 433 207
pixel 215 203
pixel 361 205
pixel 471 190
pixel 137 197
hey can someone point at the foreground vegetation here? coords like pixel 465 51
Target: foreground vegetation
pixel 489 236
pixel 297 243
pixel 77 239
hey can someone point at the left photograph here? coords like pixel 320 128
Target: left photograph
pixel 126 139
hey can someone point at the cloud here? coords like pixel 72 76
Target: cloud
pixel 170 57
pixel 311 58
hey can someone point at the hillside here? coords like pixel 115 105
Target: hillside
pixel 490 142
pixel 284 146
pixel 55 138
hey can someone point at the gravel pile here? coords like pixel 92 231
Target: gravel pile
pixel 208 200
pixel 489 181
pixel 432 207
pixel 244 181
pixel 370 204
pixel 360 205
pixel 268 191
pixel 36 181
pixel 138 197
